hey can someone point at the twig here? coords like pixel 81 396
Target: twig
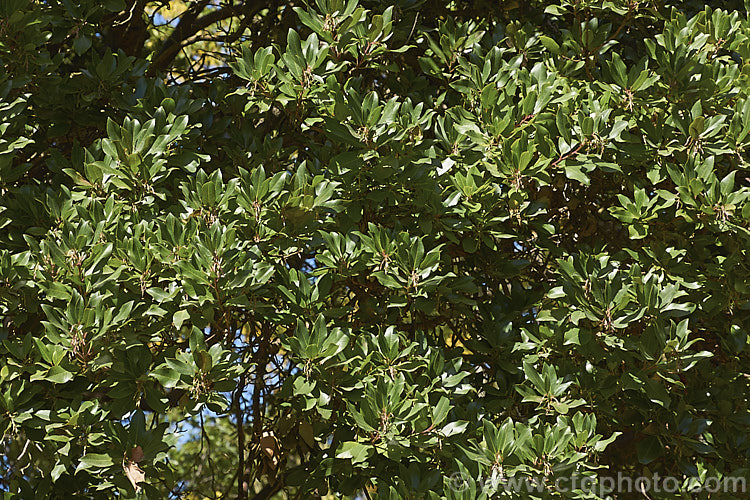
pixel 416 17
pixel 618 30
pixel 569 154
pixel 130 15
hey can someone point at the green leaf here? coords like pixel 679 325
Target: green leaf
pixel 357 452
pixel 92 461
pixel 533 376
pixel 179 367
pixel 575 172
pixel 453 428
pixel 58 375
pixel 169 377
pixel 81 44
pixel 696 127
pixel 440 411
pixel 727 183
pixel 294 45
pixel 179 318
pixel 649 449
pixel 550 44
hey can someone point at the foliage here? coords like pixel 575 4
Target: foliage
pixel 283 250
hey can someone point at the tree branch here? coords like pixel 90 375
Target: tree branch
pixel 184 29
pixel 127 30
pixel 260 373
pixel 241 490
pixel 190 24
pixel 268 491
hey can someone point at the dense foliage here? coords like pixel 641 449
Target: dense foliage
pixel 387 250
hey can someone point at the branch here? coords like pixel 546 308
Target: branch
pixel 569 154
pixel 127 30
pixel 187 27
pixel 241 491
pixel 617 31
pixel 190 24
pixel 172 395
pixel 260 373
pixel 268 491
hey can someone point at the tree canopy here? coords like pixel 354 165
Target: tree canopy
pixel 362 249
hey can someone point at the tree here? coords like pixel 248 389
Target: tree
pixel 406 250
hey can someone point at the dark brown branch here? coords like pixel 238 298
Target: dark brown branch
pixel 617 31
pixel 260 374
pixel 173 396
pixel 268 491
pixel 184 29
pixel 241 487
pixel 190 25
pixel 127 30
